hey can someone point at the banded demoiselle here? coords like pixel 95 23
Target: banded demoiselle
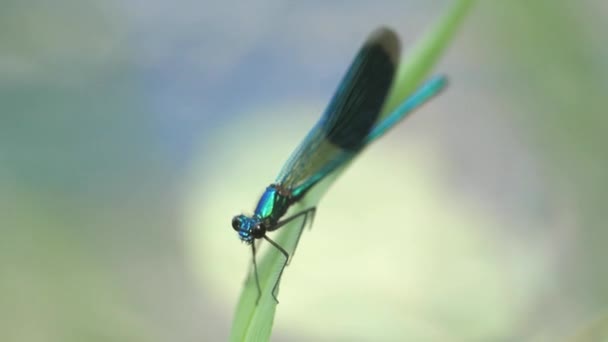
pixel 350 123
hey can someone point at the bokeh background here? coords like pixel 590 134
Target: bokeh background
pixel 132 131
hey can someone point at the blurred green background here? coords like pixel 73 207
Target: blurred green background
pixel 131 132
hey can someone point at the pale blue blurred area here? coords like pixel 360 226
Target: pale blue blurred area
pixel 106 108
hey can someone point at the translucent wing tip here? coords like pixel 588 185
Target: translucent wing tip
pixel 388 40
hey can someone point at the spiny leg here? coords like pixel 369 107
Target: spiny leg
pixel 286 255
pixel 255 271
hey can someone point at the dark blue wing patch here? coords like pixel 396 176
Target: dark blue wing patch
pixel 358 101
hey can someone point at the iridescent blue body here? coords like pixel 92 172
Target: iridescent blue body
pixel 350 123
pixel 273 205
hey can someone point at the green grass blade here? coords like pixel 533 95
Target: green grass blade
pixel 254 323
pixel 425 53
pixel 596 330
pixel 251 322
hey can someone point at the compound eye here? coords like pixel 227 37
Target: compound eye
pixel 236 223
pixel 258 231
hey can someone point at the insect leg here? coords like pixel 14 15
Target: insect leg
pixel 255 271
pixel 286 255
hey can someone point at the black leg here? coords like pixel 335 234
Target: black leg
pixel 291 218
pixel 313 211
pixel 308 212
pixel 305 213
pixel 286 255
pixel 249 268
pixel 298 238
pixel 255 271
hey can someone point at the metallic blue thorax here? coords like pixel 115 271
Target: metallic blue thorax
pixel 272 205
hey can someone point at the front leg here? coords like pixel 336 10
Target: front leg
pixel 255 271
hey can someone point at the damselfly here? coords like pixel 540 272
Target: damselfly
pixel 350 123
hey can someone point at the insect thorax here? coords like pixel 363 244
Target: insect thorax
pixel 273 204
